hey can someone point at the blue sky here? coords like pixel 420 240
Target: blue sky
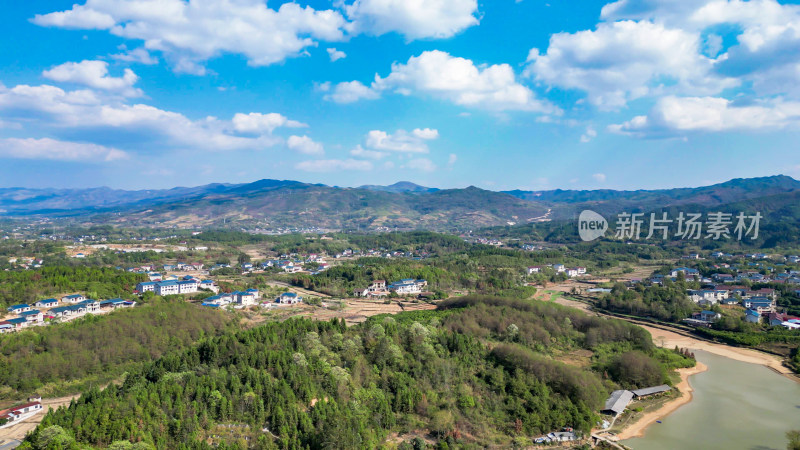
pixel 446 93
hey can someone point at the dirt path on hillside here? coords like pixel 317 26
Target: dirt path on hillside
pixel 297 290
pixel 357 311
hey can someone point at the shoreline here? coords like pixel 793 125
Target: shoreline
pixel 669 339
pixel 638 428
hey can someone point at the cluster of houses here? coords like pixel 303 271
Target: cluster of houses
pixel 243 298
pixel 185 285
pixel 250 297
pixel 26 262
pixel 381 253
pixel 44 311
pixel 720 288
pixel 379 288
pixel 571 272
pixel 17 414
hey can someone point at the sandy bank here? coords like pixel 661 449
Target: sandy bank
pixel 637 428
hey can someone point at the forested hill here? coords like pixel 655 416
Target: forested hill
pixel 480 370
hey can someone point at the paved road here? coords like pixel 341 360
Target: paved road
pixel 9 444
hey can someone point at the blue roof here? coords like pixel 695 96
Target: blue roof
pixel 30 313
pixel 17 320
pixel 74 296
pixel 750 312
pixel 113 301
pixel 147 283
pixel 252 290
pixel 211 305
pixel 48 300
pixel 288 294
pixel 60 309
pixel 707 312
pixel 20 306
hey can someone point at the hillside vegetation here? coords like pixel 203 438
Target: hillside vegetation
pixel 480 370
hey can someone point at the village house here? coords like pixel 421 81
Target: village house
pixel 18 309
pixel 706 316
pixel 74 298
pixel 6 327
pixel 776 319
pixel 19 413
pixel 535 269
pixel 376 289
pixel 407 286
pixel 116 303
pixel 167 288
pixel 759 304
pixel 155 276
pixel 687 272
pixel 209 285
pixel 288 298
pixel 146 286
pixel 752 316
pixel 46 303
pixel 187 286
pixel 244 298
pixel 33 316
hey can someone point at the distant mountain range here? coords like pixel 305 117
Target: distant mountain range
pixel 403 205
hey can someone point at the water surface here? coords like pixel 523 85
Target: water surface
pixel 736 405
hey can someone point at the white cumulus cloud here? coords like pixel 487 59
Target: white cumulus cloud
pixel 625 60
pixel 401 140
pixel 349 92
pixel 305 145
pixel 85 111
pixel 136 55
pixel 336 55
pixel 458 80
pixel 94 74
pixel 415 19
pixel 191 32
pixel 46 148
pixel 263 123
pixel 676 115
